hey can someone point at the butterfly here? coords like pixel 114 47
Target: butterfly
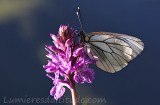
pixel 112 51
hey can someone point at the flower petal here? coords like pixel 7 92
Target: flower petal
pixel 56 77
pixel 53 91
pixel 51 70
pixel 54 37
pixel 68 42
pixel 68 53
pixel 54 49
pixel 78 52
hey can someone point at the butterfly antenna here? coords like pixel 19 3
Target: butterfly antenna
pixel 80 18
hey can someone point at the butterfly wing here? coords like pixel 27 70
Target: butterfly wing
pixel 112 51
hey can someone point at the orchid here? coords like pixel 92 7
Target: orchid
pixel 68 63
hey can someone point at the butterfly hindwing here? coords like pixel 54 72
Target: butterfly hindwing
pixel 111 50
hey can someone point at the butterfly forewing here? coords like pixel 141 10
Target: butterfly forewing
pixel 112 51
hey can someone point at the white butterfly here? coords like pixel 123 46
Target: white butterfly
pixel 112 51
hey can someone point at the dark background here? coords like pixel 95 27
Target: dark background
pixel 25 26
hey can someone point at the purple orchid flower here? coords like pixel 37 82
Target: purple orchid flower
pixel 68 62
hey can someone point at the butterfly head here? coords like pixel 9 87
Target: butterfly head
pixel 82 36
